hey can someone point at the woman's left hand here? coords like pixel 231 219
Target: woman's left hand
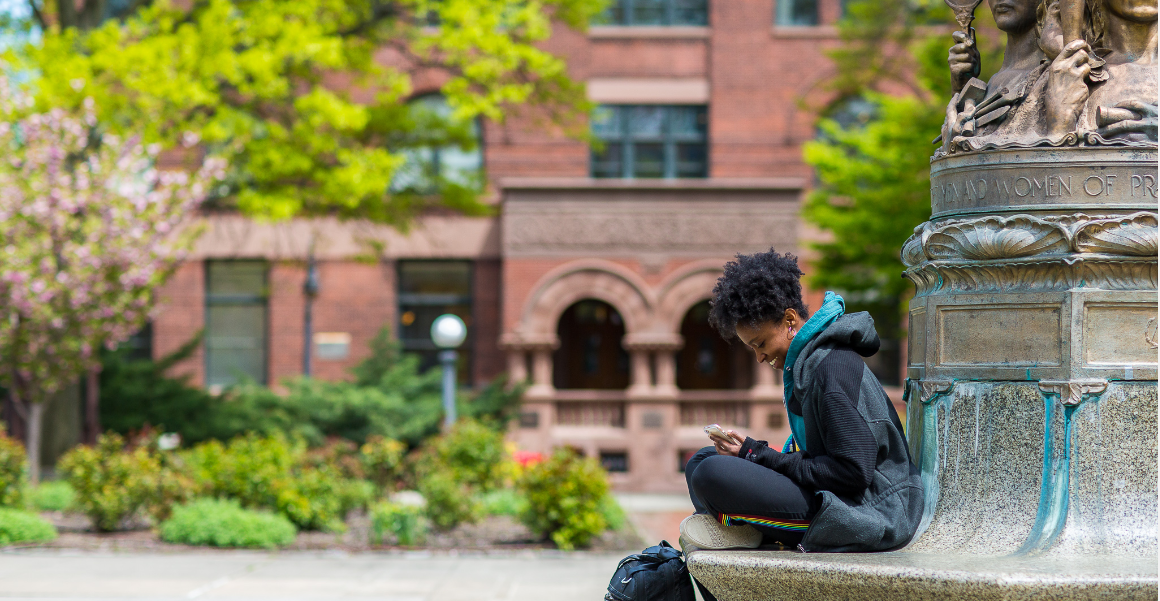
pixel 730 447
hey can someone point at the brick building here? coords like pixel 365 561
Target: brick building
pixel 592 280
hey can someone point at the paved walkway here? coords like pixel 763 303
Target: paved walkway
pixel 59 575
pixel 528 576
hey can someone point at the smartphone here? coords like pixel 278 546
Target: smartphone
pixel 715 431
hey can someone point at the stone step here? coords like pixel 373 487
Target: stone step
pixel 790 576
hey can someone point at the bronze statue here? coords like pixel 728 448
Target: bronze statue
pixel 1074 72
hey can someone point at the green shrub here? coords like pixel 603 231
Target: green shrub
pixel 382 460
pixel 113 482
pixel 56 495
pixel 503 501
pixel 224 523
pixel 390 397
pixel 612 512
pixel 18 526
pixel 406 523
pixel 564 496
pixel 449 502
pixel 13 474
pixel 473 453
pixel 274 473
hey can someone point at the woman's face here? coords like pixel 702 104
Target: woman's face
pixel 1142 11
pixel 769 340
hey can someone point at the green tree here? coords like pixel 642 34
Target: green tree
pixel 306 99
pixel 874 177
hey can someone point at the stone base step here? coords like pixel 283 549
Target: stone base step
pixel 790 576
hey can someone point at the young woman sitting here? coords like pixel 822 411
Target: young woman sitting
pixel 845 480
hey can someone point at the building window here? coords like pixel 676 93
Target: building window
pixel 428 289
pixel 235 322
pixel 656 12
pixel 797 13
pixel 650 141
pixel 139 346
pixel 439 151
pixel 614 461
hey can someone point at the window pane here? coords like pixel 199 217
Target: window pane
pixel 613 15
pixel 688 122
pixel 425 164
pixel 646 122
pixel 690 12
pixel 648 12
pixel 649 160
pixel 797 12
pixel 435 277
pixel 606 122
pixel 228 278
pixel 692 160
pixel 235 343
pixel 608 162
pixel 428 289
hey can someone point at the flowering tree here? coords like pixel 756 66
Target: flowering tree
pixel 89 227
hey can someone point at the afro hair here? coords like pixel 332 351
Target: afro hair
pixel 754 289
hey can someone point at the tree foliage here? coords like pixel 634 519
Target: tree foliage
pixel 90 227
pixel 307 98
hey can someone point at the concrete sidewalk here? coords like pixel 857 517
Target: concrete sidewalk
pixel 234 575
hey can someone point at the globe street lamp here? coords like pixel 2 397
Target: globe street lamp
pixel 448 332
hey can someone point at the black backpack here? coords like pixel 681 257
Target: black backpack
pixel 656 574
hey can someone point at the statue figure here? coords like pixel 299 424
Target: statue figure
pixel 1125 106
pixel 1092 80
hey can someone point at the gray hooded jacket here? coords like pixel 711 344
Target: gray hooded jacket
pixel 885 514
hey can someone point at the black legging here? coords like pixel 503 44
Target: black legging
pixel 744 492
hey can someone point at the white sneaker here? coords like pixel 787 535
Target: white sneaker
pixel 700 531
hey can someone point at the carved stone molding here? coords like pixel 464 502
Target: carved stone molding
pixel 929 389
pixel 1072 392
pixel 1022 236
pixel 996 238
pixel 1050 274
pixel 1134 235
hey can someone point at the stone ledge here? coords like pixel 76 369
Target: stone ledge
pixel 791 576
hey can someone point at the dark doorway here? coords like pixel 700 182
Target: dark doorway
pixel 590 354
pixel 707 361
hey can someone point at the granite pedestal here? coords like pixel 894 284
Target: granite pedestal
pixel 1031 394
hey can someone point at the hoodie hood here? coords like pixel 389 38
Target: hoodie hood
pixel 854 331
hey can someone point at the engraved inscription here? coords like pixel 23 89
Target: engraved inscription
pixel 1112 334
pixel 971 187
pixel 1000 335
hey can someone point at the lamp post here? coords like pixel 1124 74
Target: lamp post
pixel 310 290
pixel 448 332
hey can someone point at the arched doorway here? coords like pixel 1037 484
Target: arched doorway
pixel 707 361
pixel 590 353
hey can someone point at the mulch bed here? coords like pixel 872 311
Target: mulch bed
pixel 494 533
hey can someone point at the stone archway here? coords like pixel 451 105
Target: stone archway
pixel 570 283
pixel 560 289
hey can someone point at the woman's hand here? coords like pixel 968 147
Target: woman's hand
pixel 728 447
pixel 1066 90
pixel 963 60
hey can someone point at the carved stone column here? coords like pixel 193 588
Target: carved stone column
pixel 765 386
pixel 666 359
pixel 642 346
pixel 517 366
pixel 542 387
pixel 541 349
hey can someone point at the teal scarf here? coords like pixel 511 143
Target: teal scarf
pixel 832 308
